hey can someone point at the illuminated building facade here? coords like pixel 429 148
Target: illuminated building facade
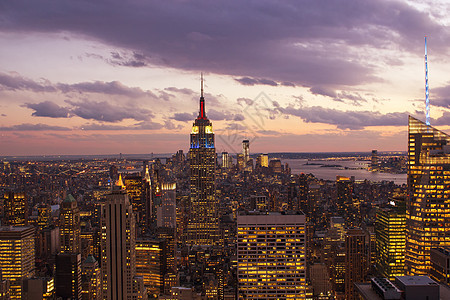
pixel 149 258
pixel 356 260
pixel 428 205
pixel 68 276
pixel 391 241
pixel 246 150
pixel 15 209
pixel 17 257
pixel 134 184
pixel 271 256
pixel 166 212
pixel 203 224
pixel 69 219
pixel 226 160
pixel 44 215
pixel 91 279
pixel 374 161
pixel 118 240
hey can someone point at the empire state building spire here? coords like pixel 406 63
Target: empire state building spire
pixel 202 114
pixel 203 224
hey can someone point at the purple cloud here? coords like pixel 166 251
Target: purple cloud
pixel 184 117
pixel 300 42
pixel 48 109
pixel 104 111
pixel 255 81
pixel 34 127
pixel 10 82
pixel 354 120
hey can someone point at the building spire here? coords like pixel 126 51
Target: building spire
pixel 202 114
pixel 427 97
pixel 201 95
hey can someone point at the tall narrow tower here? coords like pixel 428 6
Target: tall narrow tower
pixel 203 224
pixel 427 98
pixel 118 245
pixel 70 226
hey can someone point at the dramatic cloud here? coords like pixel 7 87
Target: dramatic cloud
pixel 33 127
pixel 441 96
pixel 255 81
pixel 90 110
pixel 347 119
pixel 48 109
pixel 184 117
pixel 15 82
pixel 109 88
pixel 215 115
pixel 138 126
pixel 309 43
pixel 104 111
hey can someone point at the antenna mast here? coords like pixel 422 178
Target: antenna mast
pixel 427 98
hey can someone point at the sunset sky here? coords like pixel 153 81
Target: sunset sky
pixel 103 77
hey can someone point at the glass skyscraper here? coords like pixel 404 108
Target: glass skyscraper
pixel 428 205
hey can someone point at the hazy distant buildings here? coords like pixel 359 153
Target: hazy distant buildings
pixel 271 256
pixel 226 160
pixel 17 257
pixel 203 224
pixel 428 209
pixel 246 150
pixel 374 165
pixel 262 162
pixel 275 166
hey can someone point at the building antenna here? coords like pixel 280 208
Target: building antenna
pixel 202 85
pixel 427 97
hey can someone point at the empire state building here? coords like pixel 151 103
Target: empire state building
pixel 203 224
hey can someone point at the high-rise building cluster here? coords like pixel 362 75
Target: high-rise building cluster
pixel 233 226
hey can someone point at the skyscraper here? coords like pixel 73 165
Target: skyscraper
pixel 271 256
pixel 226 160
pixel 16 209
pixel 68 276
pixel 390 240
pixel 17 257
pixel 203 221
pixel 427 209
pixel 118 240
pixel 91 279
pixel 166 213
pixel 70 226
pixel 356 265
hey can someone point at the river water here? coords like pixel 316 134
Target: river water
pixel 349 168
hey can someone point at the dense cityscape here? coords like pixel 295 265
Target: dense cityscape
pixel 207 226
pixel 224 150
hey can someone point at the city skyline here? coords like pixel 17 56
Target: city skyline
pixel 290 77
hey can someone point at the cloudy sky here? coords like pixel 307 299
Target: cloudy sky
pixel 103 77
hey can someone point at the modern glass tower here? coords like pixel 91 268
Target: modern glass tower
pixel 428 206
pixel 203 224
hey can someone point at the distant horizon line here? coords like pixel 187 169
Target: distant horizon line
pixel 169 154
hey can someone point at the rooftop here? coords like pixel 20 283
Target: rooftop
pixel 416 280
